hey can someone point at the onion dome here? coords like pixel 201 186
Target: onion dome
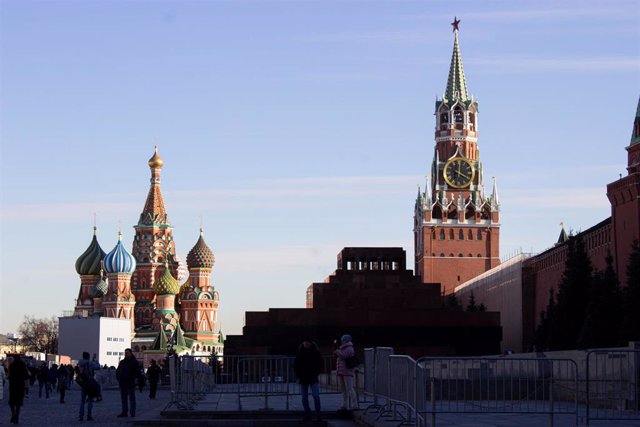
pixel 88 264
pixel 100 289
pixel 166 284
pixel 119 261
pixel 155 161
pixel 200 256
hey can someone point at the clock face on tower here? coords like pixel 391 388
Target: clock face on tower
pixel 458 172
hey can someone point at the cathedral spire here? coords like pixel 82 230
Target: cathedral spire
pixel 456 84
pixel 154 212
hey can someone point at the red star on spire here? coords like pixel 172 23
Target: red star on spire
pixel 455 23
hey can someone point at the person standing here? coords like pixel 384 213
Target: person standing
pixel 18 377
pixel 86 370
pixel 307 366
pixel 345 374
pixel 153 374
pixel 127 373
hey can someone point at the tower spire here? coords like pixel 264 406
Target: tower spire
pixel 456 83
pixel 154 211
pixel 495 202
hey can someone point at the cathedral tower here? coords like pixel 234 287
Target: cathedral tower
pixel 624 196
pixel 88 267
pixel 165 317
pixel 456 227
pixel 199 303
pixel 119 301
pixel 153 245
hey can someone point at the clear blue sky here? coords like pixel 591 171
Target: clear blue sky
pixel 294 128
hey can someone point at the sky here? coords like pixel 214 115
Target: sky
pixel 292 129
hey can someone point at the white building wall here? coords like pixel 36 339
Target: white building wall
pixel 105 337
pixel 500 289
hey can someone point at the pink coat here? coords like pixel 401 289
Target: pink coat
pixel 345 351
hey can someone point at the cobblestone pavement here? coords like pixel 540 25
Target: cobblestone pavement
pixel 50 412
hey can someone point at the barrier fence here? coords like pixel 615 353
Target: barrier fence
pixel 268 378
pixel 416 391
pixel 613 386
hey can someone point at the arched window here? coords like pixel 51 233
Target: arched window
pixel 472 121
pixel 470 234
pixel 451 235
pixel 458 117
pixel 479 234
pixel 441 234
pixel 460 235
pixel 442 254
pixel 444 119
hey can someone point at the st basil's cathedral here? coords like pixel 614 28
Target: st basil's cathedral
pixel 144 285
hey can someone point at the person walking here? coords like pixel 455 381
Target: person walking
pixel 43 380
pixel 18 377
pixel 63 381
pixel 153 374
pixel 307 366
pixel 346 374
pixel 127 373
pixel 86 370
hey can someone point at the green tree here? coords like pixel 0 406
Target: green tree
pixel 453 302
pixel 603 310
pixel 472 307
pixel 573 297
pixel 630 330
pixel 542 337
pixel 39 335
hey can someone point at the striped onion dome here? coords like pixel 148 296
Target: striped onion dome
pixel 119 261
pixel 166 284
pixel 88 264
pixel 200 256
pixel 100 289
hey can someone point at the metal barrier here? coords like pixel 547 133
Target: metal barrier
pixel 498 385
pixel 613 385
pixel 268 378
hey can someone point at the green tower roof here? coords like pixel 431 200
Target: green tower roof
pixel 456 83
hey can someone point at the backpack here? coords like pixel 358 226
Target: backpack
pixel 351 362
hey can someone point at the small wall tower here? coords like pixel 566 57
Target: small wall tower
pixel 624 196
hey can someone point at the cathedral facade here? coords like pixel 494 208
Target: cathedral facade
pixel 456 225
pixel 143 285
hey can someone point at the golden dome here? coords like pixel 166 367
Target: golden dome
pixel 156 162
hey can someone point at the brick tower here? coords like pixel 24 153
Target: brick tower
pixel 152 245
pixel 199 303
pixel 119 301
pixel 456 228
pixel 624 195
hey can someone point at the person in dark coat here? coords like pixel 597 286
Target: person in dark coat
pixel 127 374
pixel 153 374
pixel 43 379
pixel 307 366
pixel 18 377
pixel 86 372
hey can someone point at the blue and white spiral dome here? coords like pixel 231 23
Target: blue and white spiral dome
pixel 119 261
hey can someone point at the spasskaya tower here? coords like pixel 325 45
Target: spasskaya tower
pixel 456 226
